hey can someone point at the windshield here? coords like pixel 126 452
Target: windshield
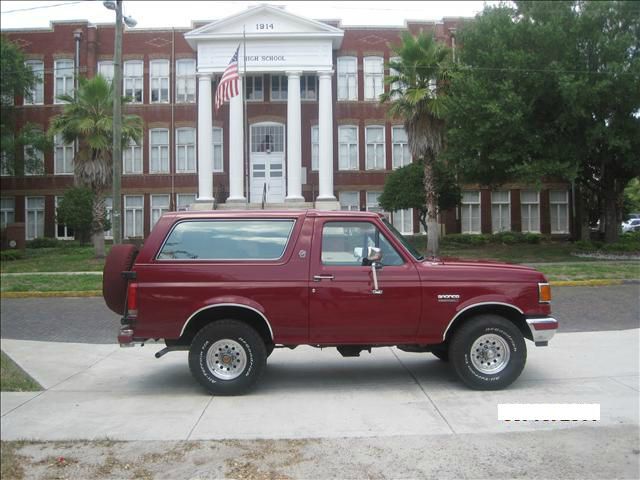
pixel 412 250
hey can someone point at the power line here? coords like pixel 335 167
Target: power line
pixel 38 8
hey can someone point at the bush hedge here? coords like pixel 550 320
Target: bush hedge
pixel 627 242
pixel 43 242
pixel 505 238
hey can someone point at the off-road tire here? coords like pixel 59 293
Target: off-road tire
pixel 253 351
pixel 114 287
pixel 487 327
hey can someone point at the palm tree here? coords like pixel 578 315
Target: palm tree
pixel 419 75
pixel 88 118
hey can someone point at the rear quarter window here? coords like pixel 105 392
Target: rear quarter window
pixel 227 240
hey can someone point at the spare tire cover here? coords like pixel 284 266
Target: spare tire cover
pixel 114 287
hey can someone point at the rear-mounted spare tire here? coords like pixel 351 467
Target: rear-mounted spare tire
pixel 114 286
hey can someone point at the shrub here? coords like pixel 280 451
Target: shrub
pixel 9 255
pixel 43 242
pixel 532 238
pixel 76 212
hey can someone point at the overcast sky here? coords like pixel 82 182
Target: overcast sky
pixel 28 14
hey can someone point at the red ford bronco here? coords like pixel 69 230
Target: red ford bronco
pixel 230 286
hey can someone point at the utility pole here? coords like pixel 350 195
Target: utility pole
pixel 116 216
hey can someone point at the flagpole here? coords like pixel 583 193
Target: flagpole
pixel 246 120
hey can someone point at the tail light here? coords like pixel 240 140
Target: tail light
pixel 132 300
pixel 544 293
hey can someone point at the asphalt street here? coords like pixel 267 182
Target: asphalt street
pixel 88 320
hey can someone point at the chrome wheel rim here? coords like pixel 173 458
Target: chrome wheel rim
pixel 226 359
pixel 490 353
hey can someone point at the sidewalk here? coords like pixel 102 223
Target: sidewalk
pixel 102 391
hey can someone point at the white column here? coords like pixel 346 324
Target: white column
pixel 236 151
pixel 294 149
pixel 205 140
pixel 325 138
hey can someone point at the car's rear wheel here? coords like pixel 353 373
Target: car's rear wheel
pixel 227 357
pixel 488 352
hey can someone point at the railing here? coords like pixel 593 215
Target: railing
pixel 264 194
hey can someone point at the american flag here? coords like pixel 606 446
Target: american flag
pixel 228 86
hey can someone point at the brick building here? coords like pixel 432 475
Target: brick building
pixel 317 134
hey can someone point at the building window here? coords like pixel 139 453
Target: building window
pixel 108 210
pixel 373 78
pixel 35 217
pixel 375 148
pixel 501 211
pixel 470 212
pixel 401 153
pixel 133 80
pixel 159 144
pixel 315 148
pixel 183 200
pixel 279 87
pixel 255 90
pixel 33 161
pixel 349 201
pixel 106 70
pixel 159 81
pixel 7 211
pixel 347 148
pixel 62 156
pixel 186 80
pixel 159 206
pixel 308 87
pixel 530 210
pixel 6 168
pixel 559 205
pixel 218 165
pixel 133 216
pixel 62 231
pixel 132 158
pixel 185 150
pixel 347 78
pixel 403 221
pixel 394 72
pixel 267 138
pixel 373 204
pixel 35 96
pixel 63 83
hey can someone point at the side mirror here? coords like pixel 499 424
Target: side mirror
pixel 374 254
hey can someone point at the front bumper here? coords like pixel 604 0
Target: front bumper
pixel 542 330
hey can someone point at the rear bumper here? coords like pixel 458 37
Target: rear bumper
pixel 125 337
pixel 542 329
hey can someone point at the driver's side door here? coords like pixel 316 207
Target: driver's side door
pixel 344 308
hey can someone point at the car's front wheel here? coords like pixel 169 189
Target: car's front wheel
pixel 488 352
pixel 227 357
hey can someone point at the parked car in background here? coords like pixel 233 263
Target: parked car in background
pixel 631 225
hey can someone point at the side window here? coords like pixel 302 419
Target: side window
pixel 346 244
pixel 227 240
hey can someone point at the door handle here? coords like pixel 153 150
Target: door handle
pixel 317 278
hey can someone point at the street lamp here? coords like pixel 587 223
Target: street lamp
pixel 116 222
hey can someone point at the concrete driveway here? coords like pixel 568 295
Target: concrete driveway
pixel 100 391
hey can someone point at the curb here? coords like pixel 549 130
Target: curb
pixel 85 293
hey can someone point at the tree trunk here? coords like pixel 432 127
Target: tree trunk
pixel 432 209
pixel 97 236
pixel 611 225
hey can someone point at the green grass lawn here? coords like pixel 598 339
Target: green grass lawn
pixel 69 258
pixel 13 378
pixel 591 271
pixel 51 283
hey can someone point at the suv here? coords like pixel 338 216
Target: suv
pixel 230 286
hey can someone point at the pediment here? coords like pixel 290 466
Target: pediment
pixel 264 21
